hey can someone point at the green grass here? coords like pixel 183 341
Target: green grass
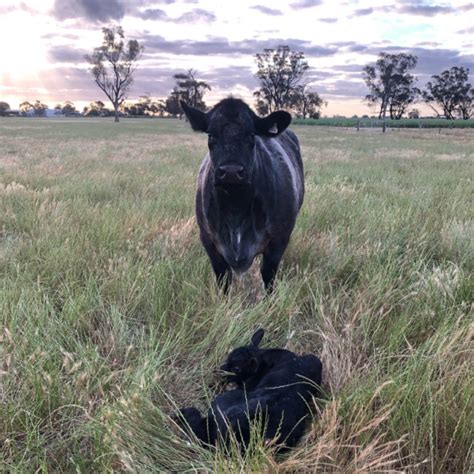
pixel 110 317
pixel 374 123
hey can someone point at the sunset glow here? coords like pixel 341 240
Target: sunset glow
pixel 44 42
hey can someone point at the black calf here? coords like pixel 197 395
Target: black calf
pixel 275 386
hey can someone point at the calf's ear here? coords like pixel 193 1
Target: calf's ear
pixel 257 337
pixel 198 120
pixel 273 124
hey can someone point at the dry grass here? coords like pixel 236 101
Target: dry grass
pixel 111 319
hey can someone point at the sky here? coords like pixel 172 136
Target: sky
pixel 43 43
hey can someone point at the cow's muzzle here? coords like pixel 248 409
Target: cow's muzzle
pixel 231 174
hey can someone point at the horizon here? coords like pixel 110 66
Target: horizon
pixel 220 43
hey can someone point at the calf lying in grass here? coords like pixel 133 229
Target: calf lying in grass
pixel 274 386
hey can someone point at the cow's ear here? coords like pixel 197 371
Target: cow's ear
pixel 273 124
pixel 257 337
pixel 198 120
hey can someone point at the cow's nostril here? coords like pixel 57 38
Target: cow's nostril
pixel 241 173
pixel 221 171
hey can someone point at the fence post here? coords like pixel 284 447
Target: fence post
pixel 358 125
pixel 383 127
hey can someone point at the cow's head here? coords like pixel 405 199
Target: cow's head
pixel 232 126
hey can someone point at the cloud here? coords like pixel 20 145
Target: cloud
pixel 5 10
pixel 267 11
pixel 342 88
pixel 92 10
pixel 425 10
pixel 410 7
pixel 66 54
pixel 100 11
pixel 430 60
pixel 363 11
pixel 224 47
pixel 351 68
pixel 63 83
pixel 198 15
pixel 152 14
pixel 467 31
pixel 350 46
pixel 69 36
pixel 22 6
pixel 467 7
pixel 300 4
pixel 169 2
pixel 328 20
pixel 231 76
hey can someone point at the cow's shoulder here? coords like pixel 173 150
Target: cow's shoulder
pixel 289 141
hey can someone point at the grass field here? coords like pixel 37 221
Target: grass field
pixel 374 123
pixel 110 317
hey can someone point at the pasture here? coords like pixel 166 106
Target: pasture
pixel 110 316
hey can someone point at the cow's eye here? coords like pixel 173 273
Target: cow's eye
pixel 211 139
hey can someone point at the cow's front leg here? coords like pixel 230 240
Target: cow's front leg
pixel 221 268
pixel 270 262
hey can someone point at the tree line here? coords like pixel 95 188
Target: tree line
pixel 283 80
pixel 281 73
pixel 393 88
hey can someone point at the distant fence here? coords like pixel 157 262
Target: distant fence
pixel 383 124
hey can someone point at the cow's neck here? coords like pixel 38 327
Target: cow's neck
pixel 235 201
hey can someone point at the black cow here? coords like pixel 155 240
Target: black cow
pixel 275 387
pixel 250 187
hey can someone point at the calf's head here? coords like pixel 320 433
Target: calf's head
pixel 244 361
pixel 232 127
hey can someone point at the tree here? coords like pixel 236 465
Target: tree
pixel 190 89
pixel 451 92
pixel 404 94
pixel 39 109
pixel 66 108
pixel 25 108
pixel 305 102
pixel 113 65
pixel 4 108
pixel 414 114
pixel 279 72
pixel 146 106
pixel 157 107
pixel 466 105
pixel 390 83
pixel 94 109
pixel 172 105
pixel 262 107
